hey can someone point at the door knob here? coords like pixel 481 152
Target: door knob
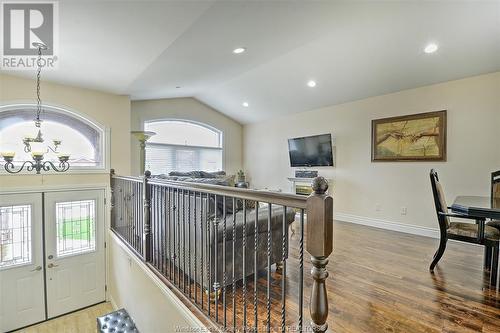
pixel 51 265
pixel 36 269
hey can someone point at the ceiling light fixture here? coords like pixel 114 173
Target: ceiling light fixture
pixel 431 48
pixel 245 104
pixel 239 50
pixel 311 83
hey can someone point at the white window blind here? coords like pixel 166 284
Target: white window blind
pixel 201 148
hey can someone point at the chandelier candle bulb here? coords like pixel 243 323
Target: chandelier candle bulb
pixel 37 154
pixel 8 154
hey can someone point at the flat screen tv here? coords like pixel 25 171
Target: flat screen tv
pixel 311 151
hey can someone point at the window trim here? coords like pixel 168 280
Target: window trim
pixel 144 121
pixel 103 130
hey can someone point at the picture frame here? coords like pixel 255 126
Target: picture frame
pixel 415 137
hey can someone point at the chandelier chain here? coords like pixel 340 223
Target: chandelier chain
pixel 38 99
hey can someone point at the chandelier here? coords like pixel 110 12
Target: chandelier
pixel 35 145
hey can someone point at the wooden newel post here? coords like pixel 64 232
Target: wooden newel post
pixel 319 244
pixel 146 220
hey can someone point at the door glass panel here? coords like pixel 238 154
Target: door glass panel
pixel 15 235
pixel 75 227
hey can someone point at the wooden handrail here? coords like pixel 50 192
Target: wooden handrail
pixel 278 198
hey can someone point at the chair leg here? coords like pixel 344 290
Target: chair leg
pixel 494 266
pixel 439 252
pixel 487 257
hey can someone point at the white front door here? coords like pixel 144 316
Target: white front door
pixel 22 300
pixel 74 250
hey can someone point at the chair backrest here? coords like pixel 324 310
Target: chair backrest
pixel 495 189
pixel 439 201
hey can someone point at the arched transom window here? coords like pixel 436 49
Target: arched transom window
pixel 181 145
pixel 82 139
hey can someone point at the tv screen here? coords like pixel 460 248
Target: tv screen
pixel 311 151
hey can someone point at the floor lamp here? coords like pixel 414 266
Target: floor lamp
pixel 143 137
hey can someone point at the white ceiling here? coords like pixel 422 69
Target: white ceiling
pixel 352 49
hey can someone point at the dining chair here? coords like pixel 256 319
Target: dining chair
pixel 495 203
pixel 495 196
pixel 476 233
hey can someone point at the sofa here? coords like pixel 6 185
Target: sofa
pixel 205 239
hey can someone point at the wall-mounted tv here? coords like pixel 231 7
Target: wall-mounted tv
pixel 311 151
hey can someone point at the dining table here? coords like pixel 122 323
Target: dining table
pixel 477 206
pixel 484 208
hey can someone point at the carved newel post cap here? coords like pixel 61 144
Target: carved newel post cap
pixel 319 185
pixel 147 173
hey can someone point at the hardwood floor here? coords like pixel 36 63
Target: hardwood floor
pixel 83 321
pixel 380 282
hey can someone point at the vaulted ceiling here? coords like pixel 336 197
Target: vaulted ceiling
pixel 353 50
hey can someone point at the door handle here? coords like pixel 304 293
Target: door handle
pixel 51 265
pixel 36 269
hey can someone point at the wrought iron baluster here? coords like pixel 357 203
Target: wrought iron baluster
pixel 233 286
pixel 301 271
pixel 283 270
pixel 255 275
pixel 209 253
pixel 244 243
pixel 195 251
pixel 202 250
pixel 216 261
pixel 154 208
pixel 189 242
pixel 224 262
pixel 177 238
pixel 184 241
pixel 169 231
pixel 268 293
pixel 162 231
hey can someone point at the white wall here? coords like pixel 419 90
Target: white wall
pixel 189 109
pixel 112 111
pixel 473 106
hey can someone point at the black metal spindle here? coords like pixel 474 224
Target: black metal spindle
pixel 163 232
pixel 195 251
pixel 244 243
pixel 255 275
pixel 184 241
pixel 209 253
pixel 233 285
pixel 189 242
pixel 169 232
pixel 268 294
pixel 283 270
pixel 178 255
pixel 224 262
pixel 216 261
pixel 301 270
pixel 202 251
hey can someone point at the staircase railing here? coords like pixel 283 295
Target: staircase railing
pixel 228 250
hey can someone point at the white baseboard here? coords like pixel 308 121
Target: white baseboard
pixel 112 301
pixel 388 225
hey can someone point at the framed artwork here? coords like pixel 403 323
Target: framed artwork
pixel 417 137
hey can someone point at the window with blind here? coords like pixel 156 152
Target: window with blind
pixel 182 146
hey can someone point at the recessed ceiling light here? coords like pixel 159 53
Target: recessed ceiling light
pixel 431 48
pixel 245 104
pixel 239 50
pixel 311 83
